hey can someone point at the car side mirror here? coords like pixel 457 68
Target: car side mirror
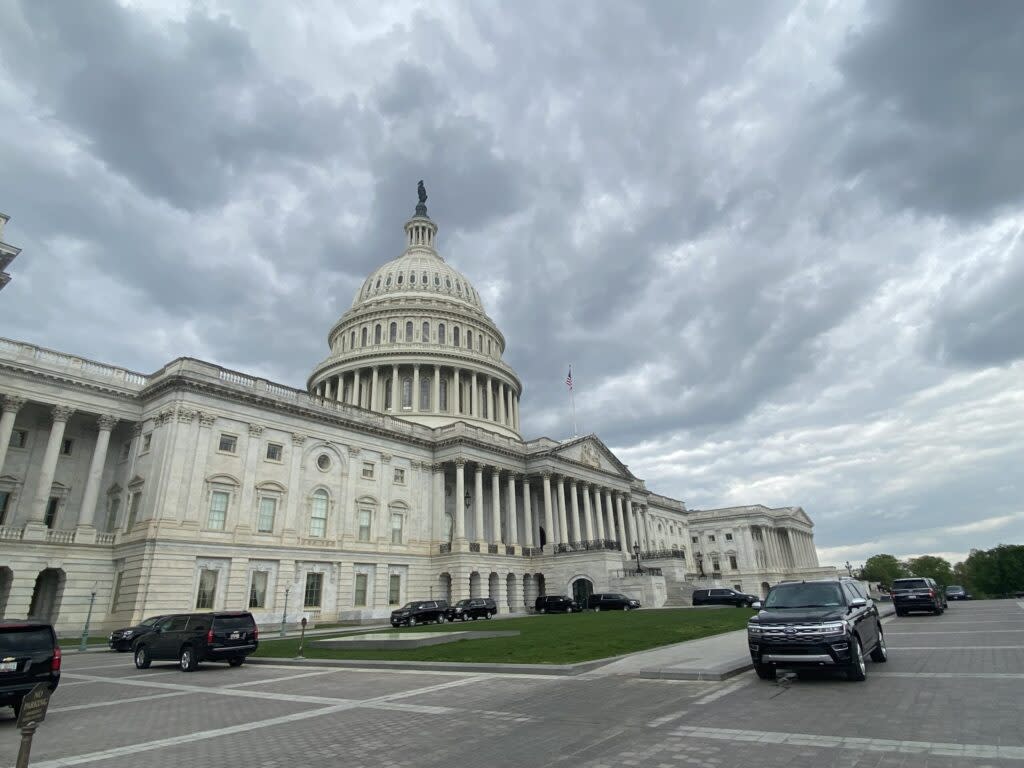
pixel 756 605
pixel 858 602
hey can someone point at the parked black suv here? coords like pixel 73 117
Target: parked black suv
pixel 191 638
pixel 29 654
pixel 123 639
pixel 474 608
pixel 555 604
pixel 830 624
pixel 918 594
pixel 722 596
pixel 420 612
pixel 611 601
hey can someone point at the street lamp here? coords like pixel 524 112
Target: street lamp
pixel 284 615
pixel 636 551
pixel 700 563
pixel 84 644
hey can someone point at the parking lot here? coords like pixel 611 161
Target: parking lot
pixel 949 696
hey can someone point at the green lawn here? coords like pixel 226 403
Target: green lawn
pixel 551 639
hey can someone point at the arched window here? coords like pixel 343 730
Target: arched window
pixel 318 514
pixel 442 337
pixel 488 346
pixel 456 336
pixel 352 341
pixel 479 344
pixel 426 333
pixel 408 330
pixel 412 278
pixel 393 333
pixel 407 392
pixel 343 342
pixel 378 284
pixel 424 279
pixel 425 383
pixel 469 339
pixel 399 280
pixel 364 337
pixel 443 394
pixel 376 334
pixel 484 402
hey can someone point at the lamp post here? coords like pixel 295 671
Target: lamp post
pixel 636 551
pixel 700 563
pixel 84 644
pixel 284 615
pixel 849 568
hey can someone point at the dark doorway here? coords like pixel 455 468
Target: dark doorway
pixel 46 596
pixel 543 537
pixel 582 589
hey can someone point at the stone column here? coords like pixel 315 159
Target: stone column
pixel 491 415
pixel 87 513
pixel 623 543
pixel 513 522
pixel 563 532
pixel 60 415
pixel 437 503
pixel 509 408
pixel 496 537
pixel 373 389
pixel 499 406
pixel 478 504
pixel 609 512
pixel 435 403
pixel 631 514
pixel 527 512
pixel 474 405
pixel 577 529
pixel 515 408
pixel 396 406
pixel 599 513
pixel 548 516
pixel 460 507
pixel 12 405
pixel 240 515
pixel 588 521
pixel 354 397
pixel 416 405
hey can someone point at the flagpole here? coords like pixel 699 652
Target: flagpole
pixel 572 399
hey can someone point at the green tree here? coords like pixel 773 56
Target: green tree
pixel 996 571
pixel 930 566
pixel 882 568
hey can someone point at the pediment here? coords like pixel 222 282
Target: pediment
pixel 592 452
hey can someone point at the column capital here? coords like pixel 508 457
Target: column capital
pixel 438 467
pixel 106 422
pixel 207 420
pixel 495 470
pixel 164 416
pixel 479 469
pixel 136 429
pixel 460 463
pixel 61 413
pixel 255 430
pixel 573 482
pixel 520 477
pixel 546 474
pixel 186 415
pixel 385 458
pixel 13 403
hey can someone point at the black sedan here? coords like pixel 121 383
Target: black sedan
pixel 123 639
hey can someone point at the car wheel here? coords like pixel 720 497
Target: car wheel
pixel 440 619
pixel 879 654
pixel 187 660
pixel 765 671
pixel 568 610
pixel 597 608
pixel 463 617
pixel 236 662
pixel 142 659
pixel 543 610
pixel 901 613
pixel 858 669
pixel 487 616
pixel 412 622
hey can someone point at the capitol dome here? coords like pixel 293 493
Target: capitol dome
pixel 416 343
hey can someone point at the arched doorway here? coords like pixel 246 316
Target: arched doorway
pixel 46 596
pixel 474 584
pixel 582 589
pixel 444 586
pixel 511 592
pixel 6 579
pixel 492 586
pixel 765 586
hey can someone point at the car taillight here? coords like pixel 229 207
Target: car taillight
pixel 931 593
pixel 209 637
pixel 55 664
pixel 255 633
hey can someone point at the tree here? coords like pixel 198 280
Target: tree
pixel 998 571
pixel 882 569
pixel 933 567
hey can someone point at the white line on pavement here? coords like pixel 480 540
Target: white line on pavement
pixel 955 632
pixel 705 699
pixel 281 679
pixel 115 702
pixel 954 647
pixel 979 675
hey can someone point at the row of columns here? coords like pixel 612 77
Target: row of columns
pixel 59 417
pixel 788 548
pixel 465 391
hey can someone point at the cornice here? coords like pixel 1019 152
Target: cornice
pixel 69 382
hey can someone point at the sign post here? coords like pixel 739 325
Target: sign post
pixel 33 712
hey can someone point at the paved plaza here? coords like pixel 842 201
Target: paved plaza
pixel 949 696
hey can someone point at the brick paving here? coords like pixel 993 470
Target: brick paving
pixel 949 696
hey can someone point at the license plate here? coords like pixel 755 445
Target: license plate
pixel 8 666
pixel 234 636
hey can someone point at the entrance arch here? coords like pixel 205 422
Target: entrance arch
pixel 46 596
pixel 444 586
pixel 582 589
pixel 6 579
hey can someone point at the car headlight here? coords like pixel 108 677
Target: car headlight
pixel 834 628
pixel 753 629
pixel 127 634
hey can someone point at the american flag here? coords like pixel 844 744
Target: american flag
pixel 568 379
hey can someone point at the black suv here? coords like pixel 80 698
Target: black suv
pixel 123 639
pixel 722 596
pixel 829 624
pixel 611 601
pixel 474 608
pixel 555 604
pixel 420 612
pixel 29 654
pixel 918 594
pixel 190 638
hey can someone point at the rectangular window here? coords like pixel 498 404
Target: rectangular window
pixel 274 451
pixel 694 539
pixel 318 515
pixel 19 438
pixel 227 444
pixel 368 470
pixel 116 596
pixel 728 537
pixel 133 508
pixel 364 525
pixel 396 528
pixel 112 509
pixel 314 587
pixel 711 537
pixel 732 562
pixel 399 476
pixel 66 446
pixel 51 511
pixel 5 500
pixel 258 590
pixel 147 441
pixel 715 566
pixel 207 589
pixel 218 510
pixel 395 589
pixel 360 595
pixel 268 508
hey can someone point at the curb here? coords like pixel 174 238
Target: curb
pixel 555 670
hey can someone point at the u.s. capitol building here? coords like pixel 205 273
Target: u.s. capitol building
pixel 398 473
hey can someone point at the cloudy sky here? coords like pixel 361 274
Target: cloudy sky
pixel 781 243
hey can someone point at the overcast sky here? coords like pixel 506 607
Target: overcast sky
pixel 780 243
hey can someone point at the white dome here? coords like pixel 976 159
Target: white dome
pixel 417 274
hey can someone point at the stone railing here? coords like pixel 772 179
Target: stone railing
pixel 474 546
pixel 492 549
pixel 10 533
pixel 658 554
pixel 587 546
pixel 628 572
pixel 445 548
pixel 60 537
pixel 461 429
pixel 105 538
pixel 75 366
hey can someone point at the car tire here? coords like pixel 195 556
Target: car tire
pixel 440 619
pixel 880 654
pixel 487 616
pixel 187 659
pixel 142 660
pixel 412 621
pixel 858 669
pixel 597 608
pixel 236 662
pixel 765 671
pixel 901 613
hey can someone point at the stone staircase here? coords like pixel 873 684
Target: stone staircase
pixel 678 594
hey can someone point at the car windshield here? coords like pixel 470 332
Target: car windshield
pixel 150 621
pixel 954 589
pixel 409 606
pixel 463 603
pixel 910 584
pixel 804 596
